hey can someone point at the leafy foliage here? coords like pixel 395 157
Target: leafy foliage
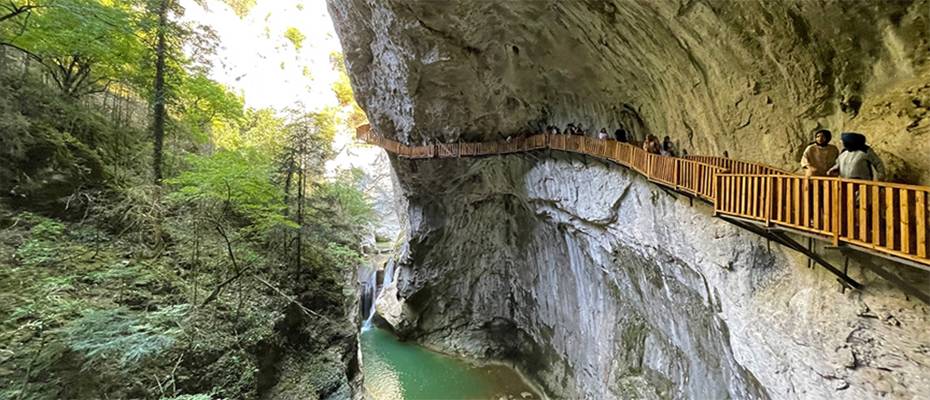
pixel 295 36
pixel 241 7
pixel 205 105
pixel 119 288
pixel 346 201
pixel 342 88
pixel 239 181
pixel 84 44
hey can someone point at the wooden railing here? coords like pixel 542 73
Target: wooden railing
pixel 738 166
pixel 887 218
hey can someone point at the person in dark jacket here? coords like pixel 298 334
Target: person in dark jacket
pixel 620 135
pixel 858 160
pixel 668 148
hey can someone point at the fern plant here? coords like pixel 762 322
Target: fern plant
pixel 116 335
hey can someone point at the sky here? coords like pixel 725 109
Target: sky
pixel 256 59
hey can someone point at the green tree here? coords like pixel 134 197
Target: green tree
pixel 203 104
pixel 159 96
pixel 84 45
pixel 233 183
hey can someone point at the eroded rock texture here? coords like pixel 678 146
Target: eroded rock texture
pixel 595 283
pixel 755 78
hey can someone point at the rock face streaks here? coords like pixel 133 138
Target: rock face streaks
pixel 593 282
pixel 598 284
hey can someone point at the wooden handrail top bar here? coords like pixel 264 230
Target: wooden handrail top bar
pixel 886 218
pixel 904 186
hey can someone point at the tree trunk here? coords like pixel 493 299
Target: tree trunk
pixel 158 123
pixel 302 182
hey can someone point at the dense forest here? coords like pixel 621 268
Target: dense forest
pixel 159 239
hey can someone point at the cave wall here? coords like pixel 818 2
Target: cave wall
pixel 754 78
pixel 598 284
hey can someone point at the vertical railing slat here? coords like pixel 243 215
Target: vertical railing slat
pixel 805 203
pixel 889 218
pixel 781 194
pixel 768 200
pixel 796 209
pixel 921 227
pixel 837 224
pixel 863 213
pixel 876 216
pixel 904 204
pixel 827 202
pixel 742 196
pixel 850 211
pixel 815 207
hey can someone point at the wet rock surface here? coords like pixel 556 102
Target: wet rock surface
pixel 598 284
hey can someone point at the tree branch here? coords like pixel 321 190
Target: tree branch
pixel 15 11
pixel 232 256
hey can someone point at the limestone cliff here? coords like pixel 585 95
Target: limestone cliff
pixel 598 284
pixel 594 282
pixel 755 78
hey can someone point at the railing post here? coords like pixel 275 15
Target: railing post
pixel 695 179
pixel 835 208
pixel 769 181
pixel 675 180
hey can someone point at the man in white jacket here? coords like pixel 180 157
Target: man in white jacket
pixel 858 160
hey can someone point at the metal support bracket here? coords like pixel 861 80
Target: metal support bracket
pixel 889 276
pixel 784 240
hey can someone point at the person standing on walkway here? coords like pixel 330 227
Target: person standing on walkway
pixel 858 160
pixel 602 134
pixel 570 129
pixel 820 156
pixel 668 149
pixel 620 135
pixel 651 145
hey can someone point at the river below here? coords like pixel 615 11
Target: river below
pixel 396 370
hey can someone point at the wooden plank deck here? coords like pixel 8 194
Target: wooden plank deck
pixel 844 211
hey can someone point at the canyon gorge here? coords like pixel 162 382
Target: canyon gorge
pixel 587 278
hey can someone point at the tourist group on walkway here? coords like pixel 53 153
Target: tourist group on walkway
pixel 856 161
pixel 820 158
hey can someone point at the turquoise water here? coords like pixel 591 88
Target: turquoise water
pixel 396 370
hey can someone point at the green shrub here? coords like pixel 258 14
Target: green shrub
pixel 190 397
pixel 107 335
pixel 42 248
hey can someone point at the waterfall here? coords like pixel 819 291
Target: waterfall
pixel 388 274
pixel 369 295
pixel 370 292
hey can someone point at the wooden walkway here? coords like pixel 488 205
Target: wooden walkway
pixel 882 218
